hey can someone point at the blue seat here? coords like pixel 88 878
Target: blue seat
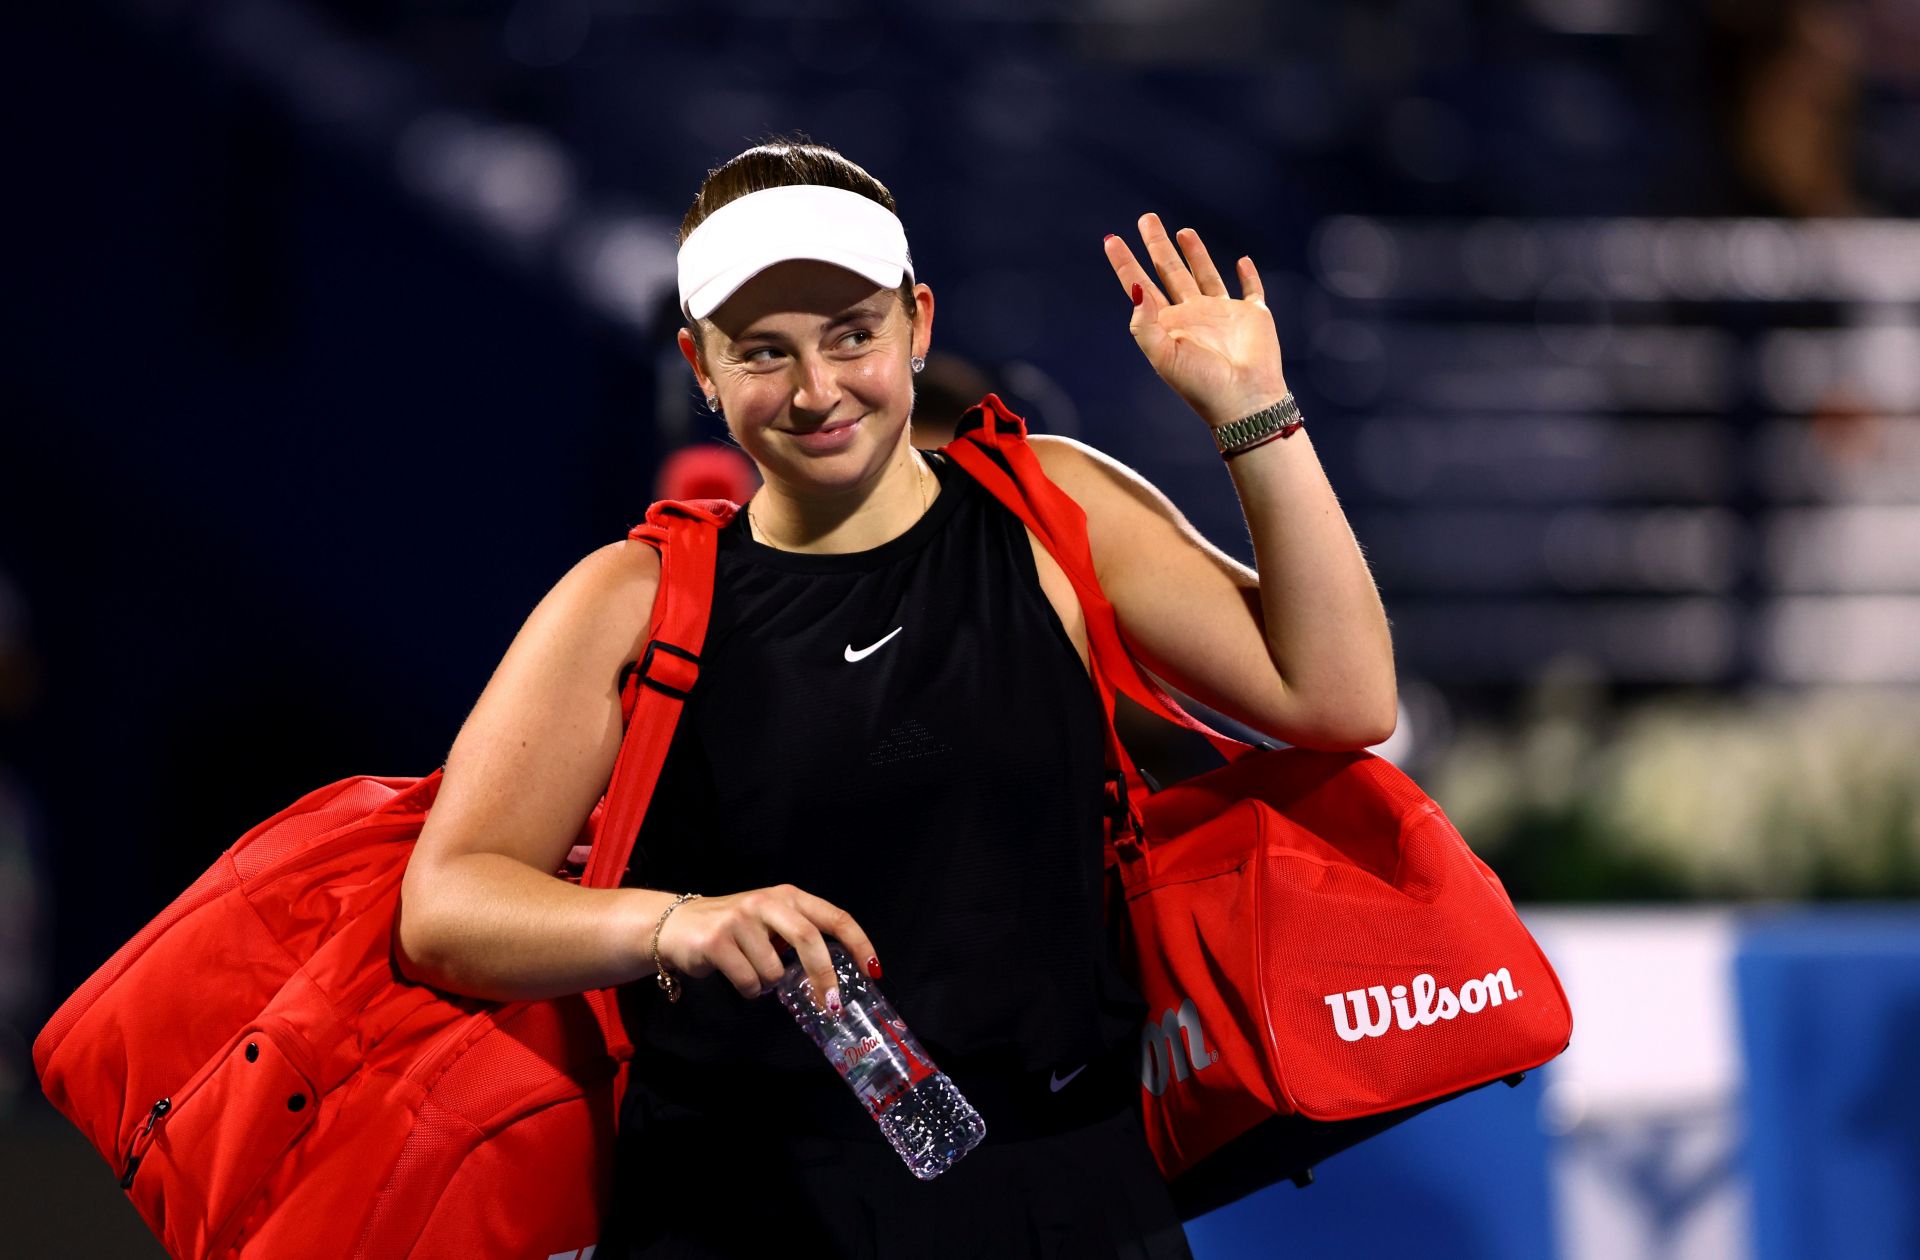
pixel 1830 1014
pixel 1464 1181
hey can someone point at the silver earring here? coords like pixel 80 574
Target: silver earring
pixel 918 363
pixel 713 403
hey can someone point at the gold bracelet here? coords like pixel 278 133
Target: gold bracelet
pixel 662 978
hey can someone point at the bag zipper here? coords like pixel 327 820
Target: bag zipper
pixel 159 1108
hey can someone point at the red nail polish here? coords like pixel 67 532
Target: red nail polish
pixel 873 968
pixel 1139 295
pixel 1109 236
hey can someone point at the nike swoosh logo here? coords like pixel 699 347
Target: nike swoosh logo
pixel 1060 1082
pixel 863 653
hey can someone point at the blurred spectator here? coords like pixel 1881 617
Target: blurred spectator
pixel 1789 102
pixel 25 899
pixel 707 472
pixel 942 394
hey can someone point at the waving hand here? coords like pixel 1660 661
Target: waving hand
pixel 1218 352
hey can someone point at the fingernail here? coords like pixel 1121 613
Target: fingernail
pixel 1139 295
pixel 833 999
pixel 1109 236
pixel 873 968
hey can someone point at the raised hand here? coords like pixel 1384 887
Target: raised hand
pixel 1218 352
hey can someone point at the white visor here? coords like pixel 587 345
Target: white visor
pixel 746 236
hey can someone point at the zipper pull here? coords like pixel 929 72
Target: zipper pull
pixel 159 1109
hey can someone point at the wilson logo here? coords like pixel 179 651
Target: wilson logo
pixel 1368 1012
pixel 1172 1048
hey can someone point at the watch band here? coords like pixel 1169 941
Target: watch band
pixel 1278 420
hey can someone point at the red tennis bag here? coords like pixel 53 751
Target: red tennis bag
pixel 265 1083
pixel 1322 954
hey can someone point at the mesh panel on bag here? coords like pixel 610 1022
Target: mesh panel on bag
pixel 529 1049
pixel 425 1163
pixel 309 818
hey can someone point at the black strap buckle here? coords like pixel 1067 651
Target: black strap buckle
pixel 1122 826
pixel 1116 794
pixel 644 668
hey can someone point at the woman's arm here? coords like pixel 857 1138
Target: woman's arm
pixel 1299 649
pixel 481 910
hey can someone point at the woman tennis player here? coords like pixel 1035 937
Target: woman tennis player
pixel 894 742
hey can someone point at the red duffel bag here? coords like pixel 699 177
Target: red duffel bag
pixel 1322 954
pixel 265 1082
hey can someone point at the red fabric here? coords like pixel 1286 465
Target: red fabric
pixel 317 1103
pixel 1285 899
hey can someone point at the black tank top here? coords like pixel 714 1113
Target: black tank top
pixel 909 733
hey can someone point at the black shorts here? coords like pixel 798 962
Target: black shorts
pixel 700 1189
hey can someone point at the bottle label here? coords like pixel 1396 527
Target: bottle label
pixel 880 1073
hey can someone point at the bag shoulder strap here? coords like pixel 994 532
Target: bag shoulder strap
pixel 990 443
pixel 653 693
pixel 654 689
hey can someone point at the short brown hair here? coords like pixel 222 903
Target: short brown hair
pixel 780 162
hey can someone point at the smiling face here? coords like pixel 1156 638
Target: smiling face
pixel 811 366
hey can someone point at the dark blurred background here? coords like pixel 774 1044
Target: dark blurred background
pixel 337 331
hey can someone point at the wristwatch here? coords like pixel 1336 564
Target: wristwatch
pixel 1279 420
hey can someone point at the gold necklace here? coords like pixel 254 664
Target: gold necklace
pixel 920 479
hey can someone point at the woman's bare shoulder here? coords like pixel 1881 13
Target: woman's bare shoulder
pixel 618 582
pixel 1115 497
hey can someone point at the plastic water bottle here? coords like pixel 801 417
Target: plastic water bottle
pixel 923 1114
